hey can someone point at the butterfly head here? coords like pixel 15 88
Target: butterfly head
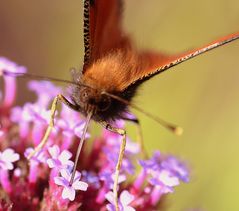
pixel 89 99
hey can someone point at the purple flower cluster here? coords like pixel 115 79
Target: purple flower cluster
pixel 44 182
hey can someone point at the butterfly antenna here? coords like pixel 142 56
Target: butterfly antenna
pixel 173 128
pixel 39 77
pixel 29 75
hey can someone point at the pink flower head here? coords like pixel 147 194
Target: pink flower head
pixel 124 200
pixel 35 186
pixel 7 157
pixel 69 190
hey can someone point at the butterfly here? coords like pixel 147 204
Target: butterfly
pixel 113 70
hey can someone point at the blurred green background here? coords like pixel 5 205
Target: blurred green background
pixel 201 95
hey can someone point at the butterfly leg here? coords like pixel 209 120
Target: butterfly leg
pixel 120 158
pixel 51 124
pixel 136 121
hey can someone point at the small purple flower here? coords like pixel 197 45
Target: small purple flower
pixel 6 64
pixel 160 162
pixel 108 178
pixel 7 157
pixel 45 91
pixel 59 159
pixel 124 200
pixel 10 82
pixel 39 157
pixel 131 147
pixel 70 124
pixel 164 180
pixel 163 173
pixel 177 168
pixel 69 190
pixel 152 164
pixel 78 130
pixel 112 157
pixel 31 113
pixel 91 178
pixel 111 149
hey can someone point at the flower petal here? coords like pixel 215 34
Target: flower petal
pixel 128 208
pixel 79 185
pixel 65 173
pixel 68 193
pixel 14 157
pixel 168 179
pixel 110 197
pixel 54 151
pixel 77 176
pixel 10 156
pixel 51 163
pixel 61 181
pixel 126 198
pixel 110 207
pixel 69 164
pixel 64 156
pixel 8 165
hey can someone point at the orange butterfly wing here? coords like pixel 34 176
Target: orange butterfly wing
pixel 158 63
pixel 103 35
pixel 102 29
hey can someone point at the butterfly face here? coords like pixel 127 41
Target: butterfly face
pixel 91 100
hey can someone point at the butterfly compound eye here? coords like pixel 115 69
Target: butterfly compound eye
pixel 104 103
pixel 84 95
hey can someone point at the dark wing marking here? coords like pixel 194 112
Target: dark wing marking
pixel 158 63
pixel 86 31
pixel 102 29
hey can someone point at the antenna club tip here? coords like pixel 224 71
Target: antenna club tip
pixel 178 131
